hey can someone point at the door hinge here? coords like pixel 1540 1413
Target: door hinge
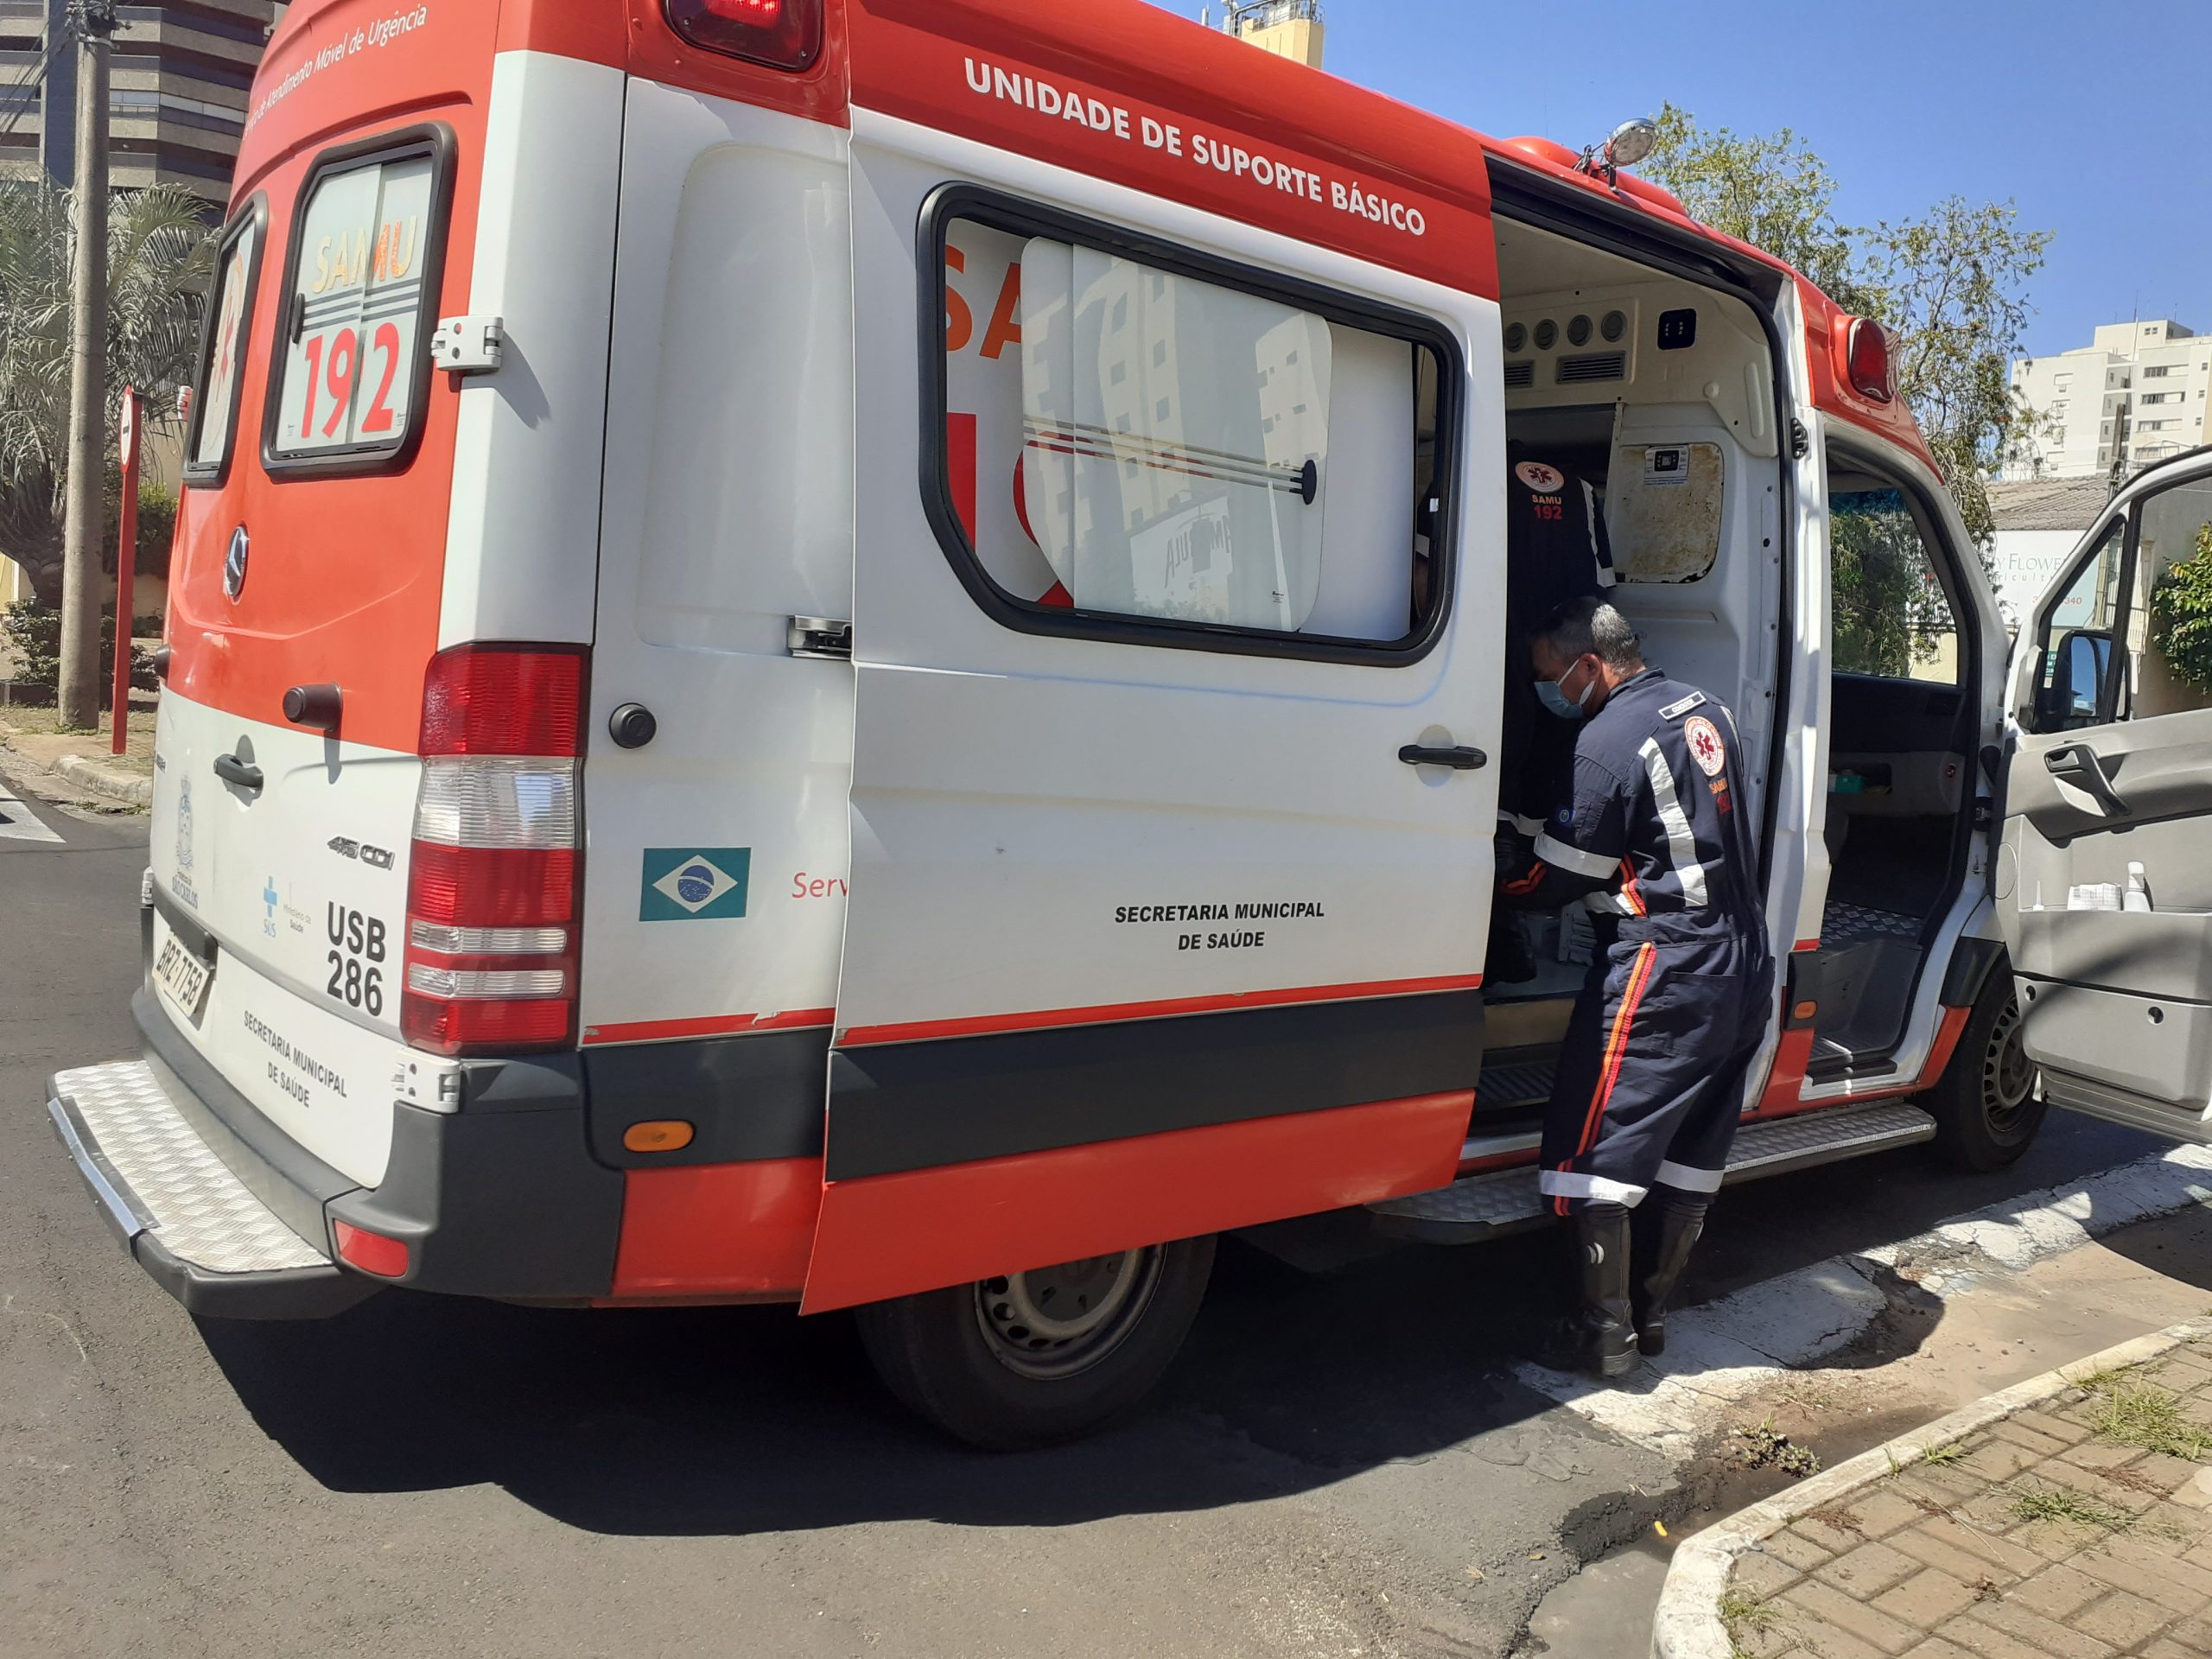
pixel 819 636
pixel 469 344
pixel 1801 441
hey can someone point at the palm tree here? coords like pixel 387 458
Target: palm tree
pixel 161 255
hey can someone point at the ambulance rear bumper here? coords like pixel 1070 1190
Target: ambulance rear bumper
pixel 194 1227
pixel 235 1219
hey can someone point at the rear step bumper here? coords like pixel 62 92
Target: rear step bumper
pixel 1484 1206
pixel 234 1217
pixel 185 1218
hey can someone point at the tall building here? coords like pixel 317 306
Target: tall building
pixel 2135 394
pixel 179 79
pixel 1290 28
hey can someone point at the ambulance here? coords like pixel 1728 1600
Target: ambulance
pixel 847 652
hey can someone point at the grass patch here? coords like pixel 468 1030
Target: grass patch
pixel 2102 1382
pixel 2076 1509
pixel 1746 1616
pixel 2142 1413
pixel 1940 1456
pixel 1766 1448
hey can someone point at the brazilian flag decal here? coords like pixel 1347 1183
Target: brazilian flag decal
pixel 693 884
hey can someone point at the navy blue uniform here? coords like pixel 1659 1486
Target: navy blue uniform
pixel 1655 836
pixel 1555 550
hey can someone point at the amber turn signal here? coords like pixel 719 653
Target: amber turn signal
pixel 1804 1010
pixel 663 1135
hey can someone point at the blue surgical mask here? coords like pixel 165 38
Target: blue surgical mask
pixel 1554 696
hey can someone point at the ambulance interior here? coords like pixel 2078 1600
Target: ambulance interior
pixel 1659 393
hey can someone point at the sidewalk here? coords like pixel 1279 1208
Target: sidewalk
pixel 2069 1517
pixel 81 760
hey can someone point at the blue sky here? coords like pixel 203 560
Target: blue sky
pixel 2092 119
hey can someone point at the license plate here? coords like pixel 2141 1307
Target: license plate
pixel 182 973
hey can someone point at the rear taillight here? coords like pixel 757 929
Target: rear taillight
pixel 493 879
pixel 1866 361
pixel 782 34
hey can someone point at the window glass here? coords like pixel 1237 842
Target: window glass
pixel 1132 442
pixel 2076 638
pixel 2176 529
pixel 1891 616
pixel 357 311
pixel 215 412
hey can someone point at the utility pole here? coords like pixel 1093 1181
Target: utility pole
pixel 93 22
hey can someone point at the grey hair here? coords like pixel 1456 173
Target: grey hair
pixel 1589 626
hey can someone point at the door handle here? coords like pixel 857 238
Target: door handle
pixel 1459 759
pixel 243 773
pixel 2078 766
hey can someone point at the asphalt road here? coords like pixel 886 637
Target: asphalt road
pixel 427 1476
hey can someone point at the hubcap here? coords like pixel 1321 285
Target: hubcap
pixel 1053 1322
pixel 2008 1076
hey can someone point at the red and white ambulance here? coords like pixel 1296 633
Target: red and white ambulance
pixel 842 652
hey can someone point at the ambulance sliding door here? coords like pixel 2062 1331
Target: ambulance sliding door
pixel 1171 817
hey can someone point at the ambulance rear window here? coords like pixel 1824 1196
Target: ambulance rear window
pixel 353 360
pixel 1132 437
pixel 222 349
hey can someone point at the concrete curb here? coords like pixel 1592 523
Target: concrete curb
pixel 129 787
pixel 1687 1622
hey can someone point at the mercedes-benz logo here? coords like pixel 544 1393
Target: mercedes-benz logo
pixel 234 565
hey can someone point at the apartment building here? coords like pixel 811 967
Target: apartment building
pixel 177 97
pixel 2135 394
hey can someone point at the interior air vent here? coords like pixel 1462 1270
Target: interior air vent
pixel 1593 365
pixel 1519 375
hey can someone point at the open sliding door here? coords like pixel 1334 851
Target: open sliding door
pixel 1171 824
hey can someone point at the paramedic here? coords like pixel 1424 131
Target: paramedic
pixel 1653 834
pixel 1555 550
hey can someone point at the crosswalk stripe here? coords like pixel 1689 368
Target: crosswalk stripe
pixel 19 822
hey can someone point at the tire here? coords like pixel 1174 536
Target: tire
pixel 988 1364
pixel 1987 1107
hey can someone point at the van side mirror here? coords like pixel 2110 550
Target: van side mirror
pixel 2069 698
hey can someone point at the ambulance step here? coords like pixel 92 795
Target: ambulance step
pixel 1484 1206
pixel 1515 1082
pixel 179 1210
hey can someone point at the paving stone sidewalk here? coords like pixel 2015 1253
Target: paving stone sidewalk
pixel 2069 1518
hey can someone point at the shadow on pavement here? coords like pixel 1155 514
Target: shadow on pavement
pixel 748 1419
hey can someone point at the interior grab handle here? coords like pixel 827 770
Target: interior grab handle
pixel 1459 759
pixel 2078 766
pixel 243 773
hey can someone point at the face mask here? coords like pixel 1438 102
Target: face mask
pixel 1552 694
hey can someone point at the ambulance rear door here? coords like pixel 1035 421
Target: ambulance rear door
pixel 1171 812
pixel 2104 884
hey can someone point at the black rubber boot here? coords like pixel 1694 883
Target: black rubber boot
pixel 1597 1339
pixel 1673 1235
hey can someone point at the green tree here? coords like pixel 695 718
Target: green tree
pixel 1951 285
pixel 161 255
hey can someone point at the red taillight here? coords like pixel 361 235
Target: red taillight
pixel 503 700
pixel 1866 361
pixel 492 884
pixel 782 34
pixel 371 1252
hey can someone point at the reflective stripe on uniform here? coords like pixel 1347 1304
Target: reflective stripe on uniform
pixel 1556 852
pixel 1609 1071
pixel 1684 1179
pixel 1568 1184
pixel 1682 845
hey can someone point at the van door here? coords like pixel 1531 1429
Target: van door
pixel 1171 814
pixel 2104 884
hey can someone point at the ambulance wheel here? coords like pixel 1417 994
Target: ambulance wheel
pixel 1027 1359
pixel 1987 1107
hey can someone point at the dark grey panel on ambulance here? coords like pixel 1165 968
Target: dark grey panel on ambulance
pixel 901 1106
pixel 748 1099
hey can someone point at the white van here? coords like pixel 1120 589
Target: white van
pixel 844 651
